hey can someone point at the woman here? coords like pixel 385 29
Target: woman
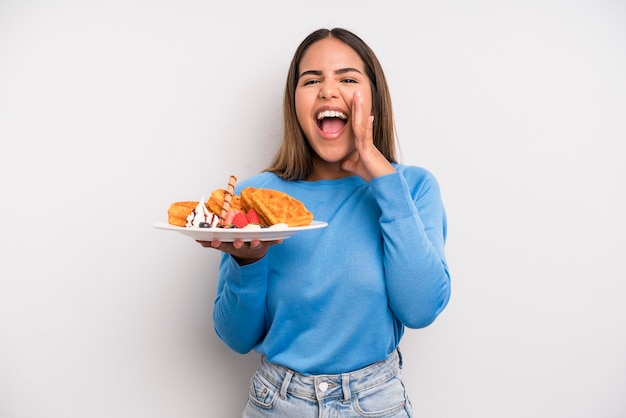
pixel 328 307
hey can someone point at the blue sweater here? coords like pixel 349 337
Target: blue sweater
pixel 337 299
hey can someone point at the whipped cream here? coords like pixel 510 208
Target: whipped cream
pixel 202 215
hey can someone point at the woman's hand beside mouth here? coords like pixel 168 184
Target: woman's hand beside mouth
pixel 366 161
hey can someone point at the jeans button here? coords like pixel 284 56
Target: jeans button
pixel 323 387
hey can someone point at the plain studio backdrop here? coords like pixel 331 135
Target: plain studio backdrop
pixel 110 111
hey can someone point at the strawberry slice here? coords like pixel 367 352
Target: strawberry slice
pixel 252 217
pixel 239 220
pixel 228 219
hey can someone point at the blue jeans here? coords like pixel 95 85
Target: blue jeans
pixel 374 391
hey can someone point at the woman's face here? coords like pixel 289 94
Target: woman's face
pixel 330 73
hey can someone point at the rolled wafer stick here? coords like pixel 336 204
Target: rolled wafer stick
pixel 228 196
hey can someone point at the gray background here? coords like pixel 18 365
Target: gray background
pixel 110 111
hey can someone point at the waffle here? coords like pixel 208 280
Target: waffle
pixel 275 207
pixel 178 211
pixel 216 201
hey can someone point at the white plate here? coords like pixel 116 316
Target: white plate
pixel 232 234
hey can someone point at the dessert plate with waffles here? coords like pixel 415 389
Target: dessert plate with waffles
pixel 255 214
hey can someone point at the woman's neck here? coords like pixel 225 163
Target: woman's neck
pixel 323 170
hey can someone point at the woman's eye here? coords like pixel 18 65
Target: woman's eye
pixel 309 82
pixel 349 80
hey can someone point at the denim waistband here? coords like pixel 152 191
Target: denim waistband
pixel 324 386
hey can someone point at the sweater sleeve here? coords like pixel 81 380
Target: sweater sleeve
pixel 239 310
pixel 413 224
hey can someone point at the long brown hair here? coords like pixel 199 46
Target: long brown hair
pixel 293 160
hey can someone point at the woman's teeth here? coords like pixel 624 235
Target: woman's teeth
pixel 331 114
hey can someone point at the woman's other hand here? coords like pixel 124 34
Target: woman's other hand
pixel 243 252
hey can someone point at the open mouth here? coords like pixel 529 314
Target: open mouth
pixel 331 121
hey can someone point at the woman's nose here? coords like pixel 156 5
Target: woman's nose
pixel 328 91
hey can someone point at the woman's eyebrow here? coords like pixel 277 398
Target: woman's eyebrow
pixel 340 71
pixel 310 72
pixel 347 70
